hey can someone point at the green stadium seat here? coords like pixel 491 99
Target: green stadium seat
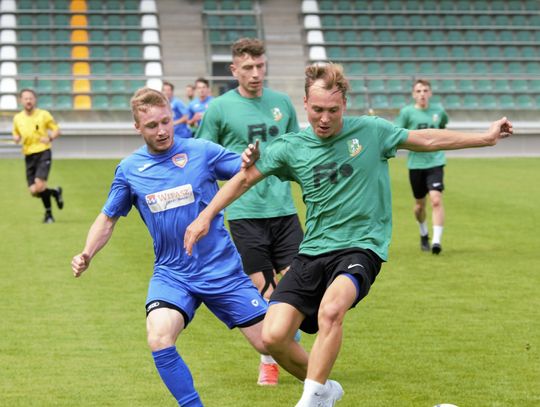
pixel 463 5
pixel 347 21
pixel 352 52
pixel 467 20
pixel 97 20
pixel 355 68
pixel 497 5
pixel 445 67
pixel 448 85
pixel 334 52
pixel 98 68
pixel 532 67
pixel 519 85
pixel 134 84
pixel 369 52
pixel 367 36
pixel 465 85
pixel 358 102
pixel 416 20
pixel 46 102
pixel 363 21
pixel 515 67
pixel 519 20
pixel 25 68
pixel 381 20
pixel 408 68
pixel 97 36
pixel 44 86
pixel 63 68
pixel 514 5
pixel 524 36
pixel 44 51
pixel 25 4
pixel 483 85
pixel 25 36
pixel 61 20
pixel 63 102
pixel 506 102
pixel 454 36
pixel 329 21
pixel 61 5
pixel 506 36
pixel 395 85
pixel 452 102
pixel 62 36
pixel 117 68
pixel 373 68
pixel 402 36
pixel 398 101
pixel 228 5
pixel 115 36
pixel 480 67
pixel 497 67
pixel 100 102
pixel 463 68
pixel 470 102
pixel 446 5
pixel 357 86
pixel 134 51
pixel 116 51
pixel 135 68
pixel 99 85
pixel 405 52
pixel 97 52
pixel 62 85
pixel 399 20
pixel 25 20
pixel 349 36
pixel 375 85
pixel 529 52
pixel 379 102
pixel 120 102
pixel 501 85
pixel 25 52
pixel 385 36
pixel 395 5
pixel 118 86
pixel 487 102
pixel 423 52
pixel 326 5
pixel 476 51
pixel 132 20
pixel 537 101
pixel 343 5
pixel 42 20
pixel 534 85
pixel 441 52
pixel 391 68
pixel 433 20
pixel 245 5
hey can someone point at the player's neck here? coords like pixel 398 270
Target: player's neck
pixel 423 107
pixel 249 95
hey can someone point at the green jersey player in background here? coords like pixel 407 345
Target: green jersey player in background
pixel 263 223
pixel 341 164
pixel 426 169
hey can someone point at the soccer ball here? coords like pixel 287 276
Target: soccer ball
pixel 445 405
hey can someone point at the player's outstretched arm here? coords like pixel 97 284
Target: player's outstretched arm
pixel 442 139
pixel 98 236
pixel 232 190
pixel 250 155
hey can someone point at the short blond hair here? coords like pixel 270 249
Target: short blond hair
pixel 331 74
pixel 145 98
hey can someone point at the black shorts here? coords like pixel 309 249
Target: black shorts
pixel 425 180
pixel 38 165
pixel 304 285
pixel 267 244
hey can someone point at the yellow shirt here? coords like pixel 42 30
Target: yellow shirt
pixel 31 128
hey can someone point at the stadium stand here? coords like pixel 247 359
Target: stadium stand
pixel 78 54
pixel 479 54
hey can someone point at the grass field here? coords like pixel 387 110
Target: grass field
pixel 461 328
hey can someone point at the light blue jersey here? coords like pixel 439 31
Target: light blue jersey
pixel 179 110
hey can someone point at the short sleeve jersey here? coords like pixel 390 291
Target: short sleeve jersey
pixel 344 180
pixel 235 121
pixel 169 190
pixel 413 118
pixel 31 128
pixel 179 110
pixel 198 106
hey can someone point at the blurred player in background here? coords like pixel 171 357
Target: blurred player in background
pixel 169 181
pixel 341 164
pixel 426 169
pixel 200 103
pixel 180 112
pixel 36 129
pixel 263 223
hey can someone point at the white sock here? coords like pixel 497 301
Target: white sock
pixel 310 388
pixel 423 228
pixel 437 234
pixel 267 359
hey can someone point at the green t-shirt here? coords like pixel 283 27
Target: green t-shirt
pixel 413 118
pixel 344 180
pixel 235 121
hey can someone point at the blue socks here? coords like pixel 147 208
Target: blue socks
pixel 177 377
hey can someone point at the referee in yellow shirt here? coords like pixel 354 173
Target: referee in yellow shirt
pixel 36 129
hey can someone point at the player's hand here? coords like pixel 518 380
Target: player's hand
pixel 251 155
pixel 16 139
pixel 195 232
pixel 79 264
pixel 502 128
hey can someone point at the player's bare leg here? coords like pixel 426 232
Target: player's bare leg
pixel 438 220
pixel 420 215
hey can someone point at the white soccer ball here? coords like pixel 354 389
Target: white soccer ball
pixel 445 405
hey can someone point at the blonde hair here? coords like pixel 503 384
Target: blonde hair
pixel 331 74
pixel 145 98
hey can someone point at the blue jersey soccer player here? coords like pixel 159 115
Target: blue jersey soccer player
pixel 170 181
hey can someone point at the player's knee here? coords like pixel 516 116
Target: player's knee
pixel 331 315
pixel 274 339
pixel 436 202
pixel 159 341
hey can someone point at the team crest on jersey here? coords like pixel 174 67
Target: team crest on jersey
pixel 435 117
pixel 277 114
pixel 180 160
pixel 354 147
pixel 170 198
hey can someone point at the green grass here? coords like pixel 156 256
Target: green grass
pixel 461 328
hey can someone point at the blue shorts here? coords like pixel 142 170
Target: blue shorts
pixel 233 299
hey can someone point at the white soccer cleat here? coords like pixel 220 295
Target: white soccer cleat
pixel 333 394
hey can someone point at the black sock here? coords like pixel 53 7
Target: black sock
pixel 53 192
pixel 46 199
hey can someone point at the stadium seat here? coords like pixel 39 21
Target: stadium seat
pixel 120 102
pixel 82 102
pixel 8 102
pixel 470 102
pixel 487 102
pixel 452 102
pixel 62 85
pixel 483 85
pixel 379 102
pixel 9 52
pixel 8 85
pixel 506 102
pixel 63 102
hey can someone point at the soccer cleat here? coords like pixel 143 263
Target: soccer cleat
pixel 59 199
pixel 436 248
pixel 268 374
pixel 48 218
pixel 330 396
pixel 424 243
